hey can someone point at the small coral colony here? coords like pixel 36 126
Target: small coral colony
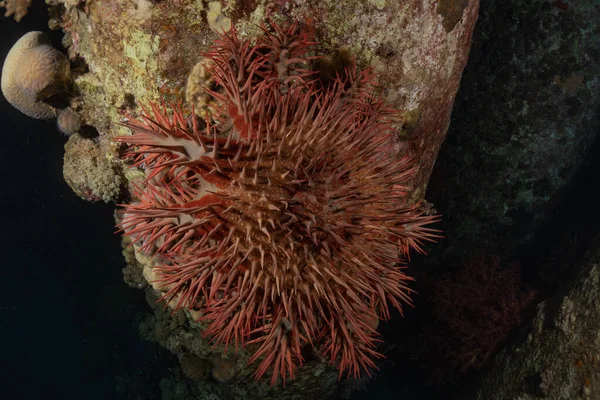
pixel 280 216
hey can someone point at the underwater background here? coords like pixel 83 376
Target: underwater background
pixel 69 324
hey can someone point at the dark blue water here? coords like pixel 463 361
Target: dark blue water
pixel 65 324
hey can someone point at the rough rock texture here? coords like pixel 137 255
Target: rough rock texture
pixel 32 72
pixel 525 117
pixel 560 358
pixel 137 51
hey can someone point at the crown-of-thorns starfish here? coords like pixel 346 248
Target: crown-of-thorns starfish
pixel 282 216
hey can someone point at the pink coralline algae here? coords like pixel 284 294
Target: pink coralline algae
pixel 282 216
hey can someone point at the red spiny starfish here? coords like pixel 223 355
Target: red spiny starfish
pixel 283 215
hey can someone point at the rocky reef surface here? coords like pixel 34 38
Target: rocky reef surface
pixel 524 121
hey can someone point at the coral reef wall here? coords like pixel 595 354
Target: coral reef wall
pixel 141 50
pixel 126 52
pixel 523 122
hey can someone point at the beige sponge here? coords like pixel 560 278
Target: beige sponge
pixel 32 72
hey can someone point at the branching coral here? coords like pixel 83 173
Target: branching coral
pixel 18 8
pixel 480 306
pixel 283 216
